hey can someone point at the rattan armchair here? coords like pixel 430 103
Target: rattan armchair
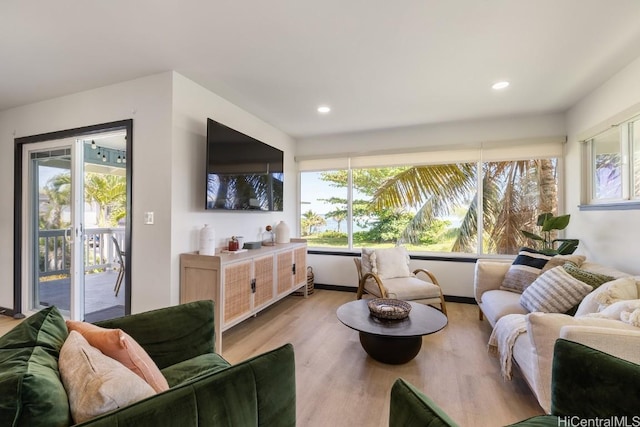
pixel 411 288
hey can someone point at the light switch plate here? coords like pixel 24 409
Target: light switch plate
pixel 148 218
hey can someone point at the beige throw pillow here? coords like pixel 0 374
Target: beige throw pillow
pixel 120 346
pixel 623 288
pixel 391 262
pixel 96 383
pixel 555 291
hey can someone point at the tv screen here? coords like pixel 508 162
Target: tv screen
pixel 242 172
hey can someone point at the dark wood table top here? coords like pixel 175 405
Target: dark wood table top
pixel 422 320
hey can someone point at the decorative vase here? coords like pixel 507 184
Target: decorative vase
pixel 207 245
pixel 282 233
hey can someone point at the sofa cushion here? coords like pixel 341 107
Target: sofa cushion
pixel 195 367
pixel 405 288
pixel 524 270
pixel 589 277
pixel 497 303
pixel 31 392
pixel 614 310
pixel 120 346
pixel 555 291
pixel 618 289
pixel 97 383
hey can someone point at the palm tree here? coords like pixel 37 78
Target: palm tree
pixel 513 195
pixel 310 220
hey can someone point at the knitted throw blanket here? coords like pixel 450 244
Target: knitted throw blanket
pixel 503 336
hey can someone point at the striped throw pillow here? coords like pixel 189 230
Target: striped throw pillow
pixel 555 291
pixel 524 270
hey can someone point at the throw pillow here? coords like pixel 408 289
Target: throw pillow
pixel 558 260
pixel 524 270
pixel 96 383
pixel 118 345
pixel 555 291
pixel 365 259
pixel 618 291
pixel 588 277
pixel 31 393
pixel 621 287
pixel 391 262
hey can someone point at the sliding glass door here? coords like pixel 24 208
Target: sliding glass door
pixel 74 225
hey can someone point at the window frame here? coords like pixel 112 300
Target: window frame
pixel 627 200
pixel 491 153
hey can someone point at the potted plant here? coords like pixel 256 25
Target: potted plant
pixel 548 224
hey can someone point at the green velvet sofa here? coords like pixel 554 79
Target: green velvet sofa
pixel 205 390
pixel 588 386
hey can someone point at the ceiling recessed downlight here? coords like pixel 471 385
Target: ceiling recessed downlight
pixel 500 85
pixel 324 109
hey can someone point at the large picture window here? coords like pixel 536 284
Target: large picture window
pixel 429 208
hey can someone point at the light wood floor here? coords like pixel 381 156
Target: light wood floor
pixel 339 385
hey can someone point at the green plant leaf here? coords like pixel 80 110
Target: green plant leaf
pixel 532 236
pixel 568 246
pixel 543 217
pixel 556 223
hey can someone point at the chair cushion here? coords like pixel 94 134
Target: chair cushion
pixel 405 288
pixel 390 262
pixel 31 392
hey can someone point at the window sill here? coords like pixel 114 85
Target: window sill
pixel 617 206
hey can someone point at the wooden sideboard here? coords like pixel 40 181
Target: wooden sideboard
pixel 242 284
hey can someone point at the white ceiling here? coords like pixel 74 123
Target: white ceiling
pixel 378 63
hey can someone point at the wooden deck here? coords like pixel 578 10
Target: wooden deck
pixel 100 299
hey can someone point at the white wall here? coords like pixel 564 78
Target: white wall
pixel 463 133
pixel 610 237
pixel 456 278
pixel 148 102
pixel 192 105
pixel 169 115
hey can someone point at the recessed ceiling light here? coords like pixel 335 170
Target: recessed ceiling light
pixel 500 85
pixel 324 109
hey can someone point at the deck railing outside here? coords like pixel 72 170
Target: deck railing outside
pixel 54 250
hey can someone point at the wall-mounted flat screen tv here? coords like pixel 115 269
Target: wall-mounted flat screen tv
pixel 242 173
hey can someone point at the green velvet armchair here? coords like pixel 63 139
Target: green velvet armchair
pixel 587 385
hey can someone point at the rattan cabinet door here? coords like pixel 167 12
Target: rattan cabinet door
pixel 300 259
pixel 236 290
pixel 285 271
pixel 263 275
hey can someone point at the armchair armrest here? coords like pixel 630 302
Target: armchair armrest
pixel 489 275
pixel 375 278
pixel 592 384
pixel 412 408
pixel 172 334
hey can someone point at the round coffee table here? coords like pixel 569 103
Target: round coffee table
pixel 391 341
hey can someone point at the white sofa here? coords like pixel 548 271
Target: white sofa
pixel 533 350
